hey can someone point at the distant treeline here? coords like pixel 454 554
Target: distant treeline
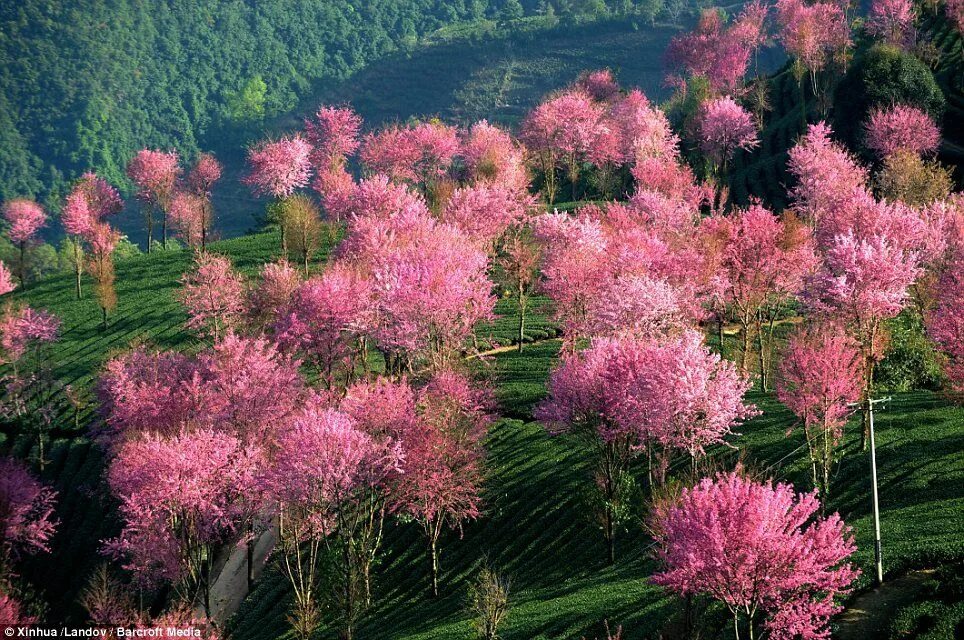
pixel 85 83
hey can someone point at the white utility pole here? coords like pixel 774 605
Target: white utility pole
pixel 873 479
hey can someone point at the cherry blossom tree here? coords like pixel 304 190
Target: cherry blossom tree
pixel 327 316
pixel 213 294
pixel 765 261
pixel 601 85
pixel 442 476
pixel 820 377
pixel 725 127
pixel 717 52
pixel 484 213
pixel 23 218
pixel 103 240
pixel 324 473
pixel 205 172
pixel 945 324
pixel 27 519
pixel 491 156
pixel 901 128
pixel 827 175
pixel 180 498
pixel 87 205
pixel 421 154
pixel 560 132
pixel 518 272
pixel 891 20
pixel 812 33
pixel 333 134
pixel 12 612
pixel 278 168
pixel 272 295
pixel 188 213
pixel 336 188
pixel 624 395
pixel 155 175
pixel 868 266
pixel 757 548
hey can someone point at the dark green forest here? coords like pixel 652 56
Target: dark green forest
pixel 83 84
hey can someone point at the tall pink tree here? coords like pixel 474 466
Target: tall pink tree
pixel 945 323
pixel 188 213
pixel 901 128
pixel 103 239
pixel 200 180
pixel 420 155
pixel 333 134
pixel 765 261
pixel 892 20
pixel 559 132
pixel 27 520
pixel 155 175
pixel 820 378
pixel 484 213
pixel 325 473
pixel 812 34
pixel 213 294
pixel 492 156
pixel 272 294
pixel 87 205
pixel 760 550
pixel 278 168
pixel 725 128
pixel 180 498
pixel 6 280
pixel 867 268
pixel 442 472
pixel 23 218
pixel 327 317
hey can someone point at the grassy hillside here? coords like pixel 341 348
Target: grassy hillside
pixel 533 528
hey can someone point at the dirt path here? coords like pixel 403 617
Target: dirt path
pixel 230 587
pixel 870 612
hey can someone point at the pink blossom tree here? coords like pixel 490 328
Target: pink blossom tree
pixel 891 20
pixel 271 296
pixel 201 179
pixel 812 34
pixel 484 213
pixel 945 323
pixel 758 549
pixel 560 132
pixel 83 215
pixel 765 261
pixel 624 395
pixel 492 156
pixel 103 239
pixel 421 154
pixel 180 498
pixel 325 472
pixel 23 218
pixel 725 128
pixel 717 52
pixel 155 175
pixel 442 478
pixel 12 612
pixel 213 294
pixel 827 175
pixel 868 266
pixel 27 519
pixel 517 270
pixel 327 316
pixel 278 168
pixel 333 134
pixel 188 213
pixel 901 128
pixel 820 378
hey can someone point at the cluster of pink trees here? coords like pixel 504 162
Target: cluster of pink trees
pixel 182 201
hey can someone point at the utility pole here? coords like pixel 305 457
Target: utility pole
pixel 870 403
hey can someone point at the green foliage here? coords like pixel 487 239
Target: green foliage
pixel 938 612
pixel 42 260
pixel 247 104
pixel 911 361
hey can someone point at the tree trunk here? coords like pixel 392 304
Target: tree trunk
pixel 23 264
pixel 433 557
pixel 164 228
pixel 762 359
pixel 103 320
pixel 745 355
pixel 610 537
pixel 250 561
pixel 719 334
pixel 522 323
